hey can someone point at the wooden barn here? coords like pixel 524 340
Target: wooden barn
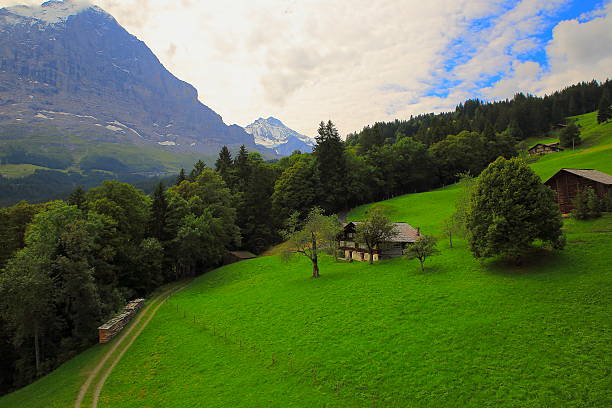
pixel 359 252
pixel 567 182
pixel 545 148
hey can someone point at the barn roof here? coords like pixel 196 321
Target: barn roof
pixel 406 233
pixel 243 254
pixel 590 174
pixel 552 144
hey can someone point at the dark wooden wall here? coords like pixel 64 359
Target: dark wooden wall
pixel 566 185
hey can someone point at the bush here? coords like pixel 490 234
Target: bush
pixel 587 204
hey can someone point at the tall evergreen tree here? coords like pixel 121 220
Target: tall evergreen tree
pixel 198 168
pixel 241 166
pixel 224 162
pixel 570 135
pixel 604 111
pixel 331 168
pixel 159 214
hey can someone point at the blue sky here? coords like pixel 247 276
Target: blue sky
pixel 361 61
pixel 461 49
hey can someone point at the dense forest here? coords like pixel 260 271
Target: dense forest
pixel 66 266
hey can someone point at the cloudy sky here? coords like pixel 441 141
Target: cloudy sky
pixel 361 61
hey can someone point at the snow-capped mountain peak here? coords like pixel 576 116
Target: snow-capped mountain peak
pixel 54 11
pixel 273 134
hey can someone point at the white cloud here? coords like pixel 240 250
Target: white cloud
pixel 359 61
pixel 578 51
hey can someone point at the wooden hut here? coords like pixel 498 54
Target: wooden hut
pixel 545 148
pixel 356 251
pixel 567 182
pixel 237 256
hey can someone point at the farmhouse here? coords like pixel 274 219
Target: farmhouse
pixel 545 148
pixel 567 182
pixel 359 252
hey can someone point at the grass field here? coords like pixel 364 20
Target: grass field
pixel 262 333
pixel 464 333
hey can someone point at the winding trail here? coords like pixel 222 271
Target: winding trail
pixel 124 341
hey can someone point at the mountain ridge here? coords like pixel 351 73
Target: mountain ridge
pixel 72 65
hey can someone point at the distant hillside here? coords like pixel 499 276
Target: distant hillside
pixel 273 134
pixel 72 68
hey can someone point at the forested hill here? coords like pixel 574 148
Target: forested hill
pixel 525 115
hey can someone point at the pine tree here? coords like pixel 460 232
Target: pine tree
pixel 604 111
pixel 570 136
pixel 241 165
pixel 224 161
pixel 331 168
pixel 159 213
pixel 198 168
pixel 181 177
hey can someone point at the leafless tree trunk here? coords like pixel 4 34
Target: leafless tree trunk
pixel 314 259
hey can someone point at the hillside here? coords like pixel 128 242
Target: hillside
pixel 77 91
pixel 416 209
pixel 464 333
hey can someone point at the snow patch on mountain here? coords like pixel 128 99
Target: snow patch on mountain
pixel 273 134
pixel 52 12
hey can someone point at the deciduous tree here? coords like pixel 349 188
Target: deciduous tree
pixel 509 209
pixel 422 249
pixel 374 230
pixel 316 236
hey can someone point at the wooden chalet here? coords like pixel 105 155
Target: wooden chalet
pixel 567 182
pixel 359 252
pixel 545 148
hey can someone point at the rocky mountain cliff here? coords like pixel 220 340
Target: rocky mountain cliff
pixel 70 66
pixel 273 134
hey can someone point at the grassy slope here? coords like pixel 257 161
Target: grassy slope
pixel 426 210
pixel 461 334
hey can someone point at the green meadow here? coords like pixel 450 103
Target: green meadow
pixel 464 333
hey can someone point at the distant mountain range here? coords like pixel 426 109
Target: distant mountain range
pixel 273 134
pixel 70 72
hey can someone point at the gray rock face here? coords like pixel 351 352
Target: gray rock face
pixel 74 67
pixel 273 134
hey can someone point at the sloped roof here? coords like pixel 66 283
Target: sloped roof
pixel 552 144
pixel 406 233
pixel 591 174
pixel 243 254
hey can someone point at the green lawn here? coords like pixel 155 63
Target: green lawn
pixel 463 333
